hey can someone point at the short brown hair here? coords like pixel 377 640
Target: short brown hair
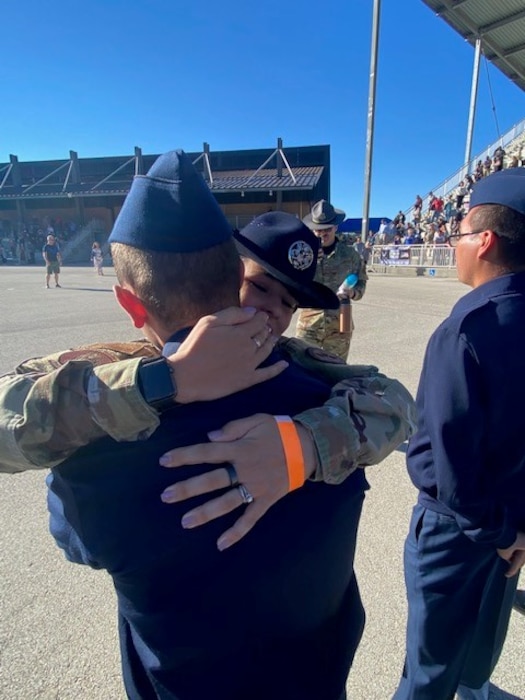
pixel 178 288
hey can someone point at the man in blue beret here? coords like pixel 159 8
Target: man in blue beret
pixel 277 616
pixel 466 543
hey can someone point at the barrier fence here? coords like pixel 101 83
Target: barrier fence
pixel 412 256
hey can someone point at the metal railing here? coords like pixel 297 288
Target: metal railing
pixel 427 256
pixel 448 185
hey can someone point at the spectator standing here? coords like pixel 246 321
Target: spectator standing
pixel 478 173
pixel 437 208
pixel 336 261
pixel 52 258
pixel 381 232
pixel 399 221
pixel 466 542
pixel 417 207
pixel 498 159
pixel 449 207
pixel 97 258
pixel 362 249
pixel 430 200
pixel 460 194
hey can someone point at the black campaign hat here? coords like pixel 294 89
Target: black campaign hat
pixel 287 249
pixel 506 187
pixel 323 215
pixel 171 210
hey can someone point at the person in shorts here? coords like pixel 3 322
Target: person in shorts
pixel 53 259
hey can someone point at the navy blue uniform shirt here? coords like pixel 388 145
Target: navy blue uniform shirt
pixel 277 615
pixel 468 456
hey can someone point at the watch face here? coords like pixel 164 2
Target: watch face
pixel 156 383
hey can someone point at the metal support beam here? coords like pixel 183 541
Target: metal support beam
pixel 205 155
pixel 473 101
pixel 474 31
pixel 121 167
pixel 72 172
pixel 46 177
pixel 371 118
pixel 486 28
pixel 8 169
pixel 207 163
pixel 508 52
pixel 15 170
pixel 279 158
pixel 278 151
pixel 139 163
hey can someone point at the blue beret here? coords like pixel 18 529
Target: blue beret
pixel 171 210
pixel 506 187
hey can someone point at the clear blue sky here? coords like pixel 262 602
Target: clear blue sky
pixel 103 76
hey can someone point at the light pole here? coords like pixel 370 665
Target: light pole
pixel 371 118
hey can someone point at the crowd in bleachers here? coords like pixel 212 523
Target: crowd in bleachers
pixel 443 215
pixel 23 242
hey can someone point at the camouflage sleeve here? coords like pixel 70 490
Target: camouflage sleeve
pixel 367 416
pixel 362 279
pixel 47 412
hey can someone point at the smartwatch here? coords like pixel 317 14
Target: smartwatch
pixel 156 383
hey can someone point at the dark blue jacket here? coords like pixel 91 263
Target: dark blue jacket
pixel 468 456
pixel 277 616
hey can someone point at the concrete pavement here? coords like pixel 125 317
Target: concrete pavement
pixel 57 621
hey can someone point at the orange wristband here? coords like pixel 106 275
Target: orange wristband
pixel 292 451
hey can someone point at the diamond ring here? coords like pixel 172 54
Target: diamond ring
pixel 246 496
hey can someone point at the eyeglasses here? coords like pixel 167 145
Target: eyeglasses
pixel 453 238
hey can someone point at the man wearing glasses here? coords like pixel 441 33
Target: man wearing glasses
pixel 466 542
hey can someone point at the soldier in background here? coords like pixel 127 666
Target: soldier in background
pixel 337 260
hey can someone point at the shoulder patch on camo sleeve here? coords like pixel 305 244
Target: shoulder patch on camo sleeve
pixel 103 353
pixel 95 356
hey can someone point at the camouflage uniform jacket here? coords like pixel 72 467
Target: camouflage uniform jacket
pixel 52 406
pixel 331 271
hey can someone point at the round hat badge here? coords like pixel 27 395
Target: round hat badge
pixel 300 255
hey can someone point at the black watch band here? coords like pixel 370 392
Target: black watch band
pixel 156 383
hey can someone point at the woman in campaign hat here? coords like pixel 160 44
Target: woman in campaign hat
pixel 280 257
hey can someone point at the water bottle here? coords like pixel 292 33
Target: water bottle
pixel 348 283
pixel 345 319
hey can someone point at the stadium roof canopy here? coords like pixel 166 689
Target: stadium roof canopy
pixel 299 169
pixel 499 23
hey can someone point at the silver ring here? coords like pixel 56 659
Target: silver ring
pixel 232 475
pixel 246 496
pixel 257 342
